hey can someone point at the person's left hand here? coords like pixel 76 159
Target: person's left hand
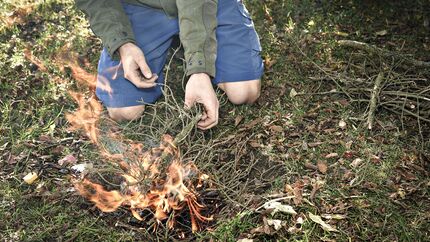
pixel 199 89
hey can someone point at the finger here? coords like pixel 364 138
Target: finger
pixel 188 103
pixel 204 116
pixel 212 116
pixel 150 80
pixel 144 68
pixel 137 80
pixel 206 126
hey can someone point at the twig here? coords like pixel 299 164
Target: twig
pixel 374 100
pixel 375 50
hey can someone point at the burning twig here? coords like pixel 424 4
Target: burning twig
pixel 155 180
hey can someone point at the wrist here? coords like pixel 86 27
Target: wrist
pixel 125 46
pixel 200 75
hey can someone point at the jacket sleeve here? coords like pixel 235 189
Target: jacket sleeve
pixel 109 22
pixel 197 24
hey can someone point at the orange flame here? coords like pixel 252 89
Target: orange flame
pixel 172 195
pixel 86 117
pixel 154 180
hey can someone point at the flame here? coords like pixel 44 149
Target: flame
pixel 154 180
pixel 164 196
pixel 86 117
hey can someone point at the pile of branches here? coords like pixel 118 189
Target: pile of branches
pixel 382 79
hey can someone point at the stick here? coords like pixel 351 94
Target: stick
pixel 375 50
pixel 374 100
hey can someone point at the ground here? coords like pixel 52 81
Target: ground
pixel 305 139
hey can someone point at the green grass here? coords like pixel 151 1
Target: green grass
pixel 383 200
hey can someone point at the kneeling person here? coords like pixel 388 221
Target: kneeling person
pixel 221 48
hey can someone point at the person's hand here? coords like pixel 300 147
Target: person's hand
pixel 199 89
pixel 134 65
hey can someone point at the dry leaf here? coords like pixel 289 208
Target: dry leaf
pixel 348 145
pixel 343 34
pixel 311 166
pixel 356 162
pixel 67 160
pixel 289 189
pixel 315 187
pixel 322 166
pixel 333 216
pixel 245 240
pixel 276 223
pixel 342 124
pixel 314 144
pixel 237 120
pixel 268 62
pixel 331 155
pixel 381 33
pixel 30 177
pixel 276 128
pixel 317 219
pixel 375 159
pixel 252 123
pixel 254 144
pixel 293 93
pixel 298 197
pixel 279 207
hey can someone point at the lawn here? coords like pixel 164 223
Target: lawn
pixel 304 146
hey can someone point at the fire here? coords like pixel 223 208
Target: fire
pixel 164 196
pixel 154 180
pixel 86 117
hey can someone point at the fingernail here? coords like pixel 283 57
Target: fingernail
pixel 148 75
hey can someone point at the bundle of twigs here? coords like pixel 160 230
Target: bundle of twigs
pixel 382 79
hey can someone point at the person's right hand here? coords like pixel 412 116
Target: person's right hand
pixel 134 65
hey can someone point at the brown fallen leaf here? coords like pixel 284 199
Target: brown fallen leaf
pixel 322 167
pixel 311 166
pixel 252 123
pixel 276 128
pixel 298 197
pixel 254 144
pixel 325 226
pixel 331 155
pixel 315 188
pixel 314 144
pixel 237 120
pixel 269 62
pixel 356 162
pixel 375 159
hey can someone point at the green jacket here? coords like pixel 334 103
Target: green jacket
pixel 197 24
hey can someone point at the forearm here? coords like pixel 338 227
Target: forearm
pixel 197 24
pixel 109 22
